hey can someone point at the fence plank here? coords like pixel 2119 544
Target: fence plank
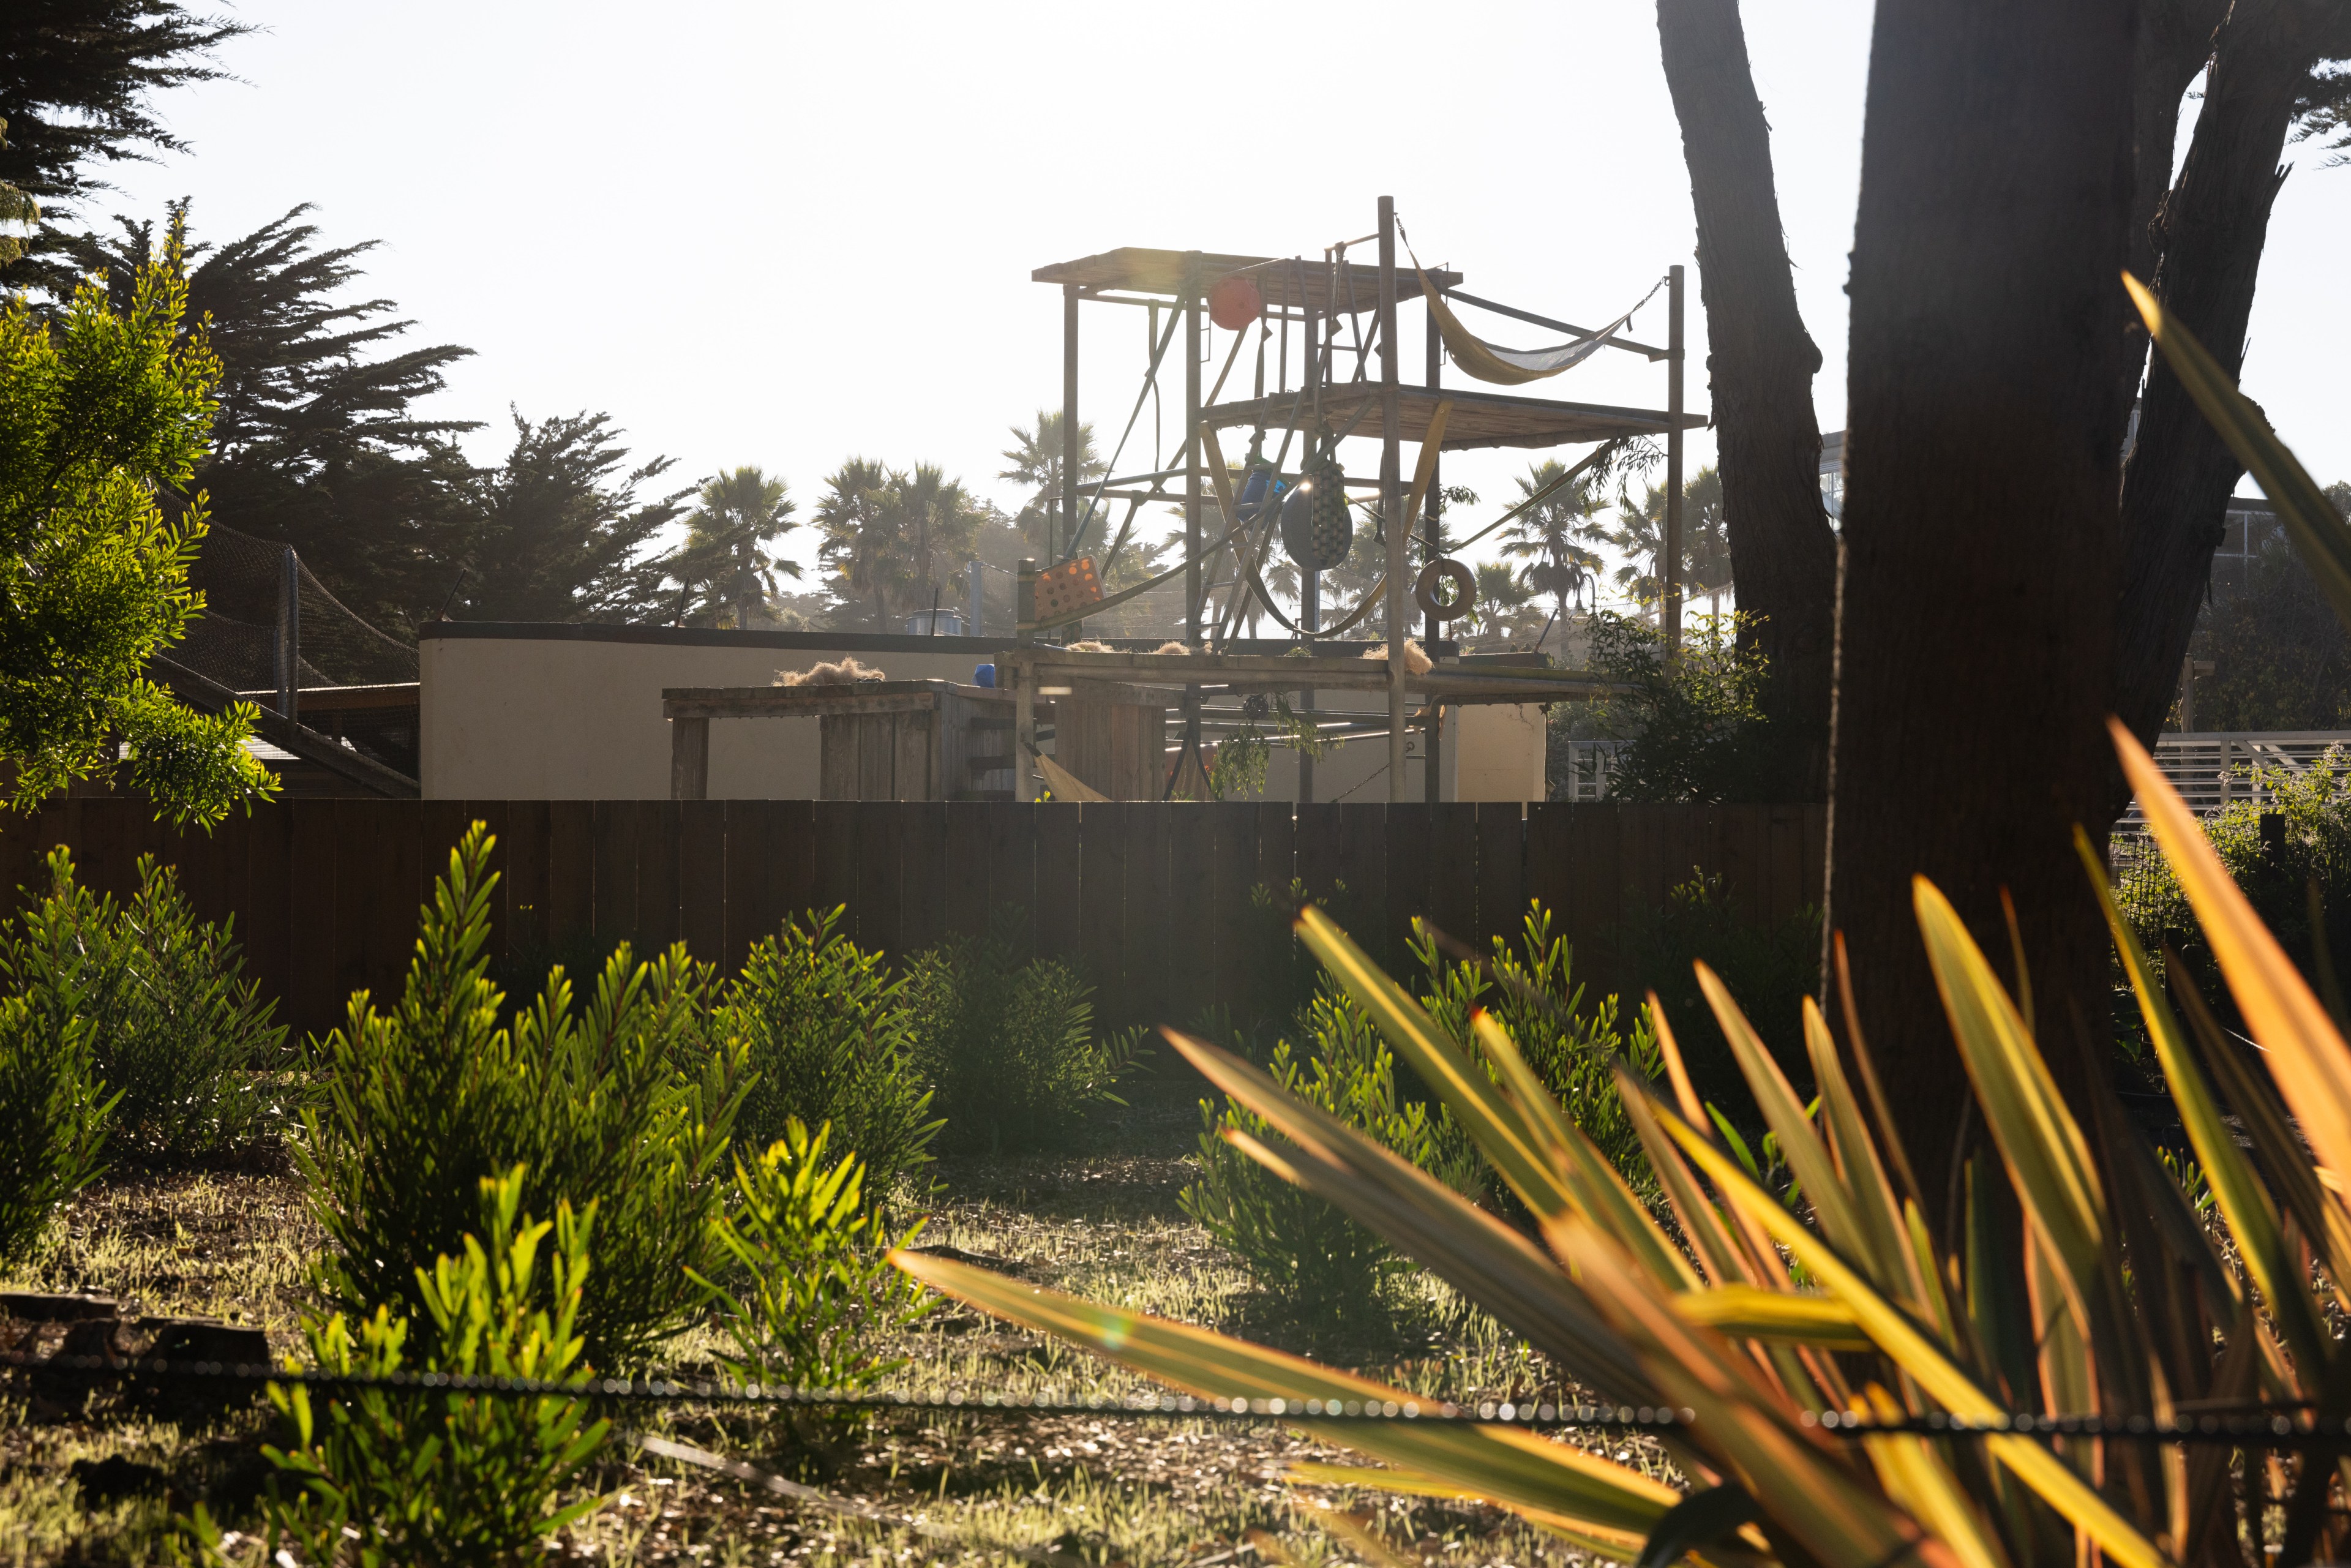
pixel 874 904
pixel 964 891
pixel 1321 854
pixel 657 876
pixel 832 862
pixel 1188 930
pixel 1410 825
pixel 702 878
pixel 1012 872
pixel 525 852
pixel 613 846
pixel 1501 871
pixel 922 875
pixel 1232 827
pixel 570 877
pixel 1363 859
pixel 1453 871
pixel 1101 908
pixel 1143 941
pixel 264 907
pixel 1061 863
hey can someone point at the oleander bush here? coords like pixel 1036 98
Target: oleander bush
pixel 1297 1247
pixel 1009 1045
pixel 624 1098
pixel 53 1116
pixel 442 1480
pixel 180 1039
pixel 829 1038
pixel 807 1296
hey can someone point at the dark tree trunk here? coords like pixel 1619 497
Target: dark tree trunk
pixel 2175 40
pixel 1979 526
pixel 2209 234
pixel 1762 362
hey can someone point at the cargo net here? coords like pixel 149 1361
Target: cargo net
pixel 235 641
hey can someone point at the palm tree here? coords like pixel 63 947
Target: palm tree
pixel 1548 536
pixel 1502 596
pixel 888 534
pixel 736 512
pixel 1034 459
pixel 1640 533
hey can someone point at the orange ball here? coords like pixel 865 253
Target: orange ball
pixel 1233 302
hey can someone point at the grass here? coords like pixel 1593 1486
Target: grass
pixel 951 1488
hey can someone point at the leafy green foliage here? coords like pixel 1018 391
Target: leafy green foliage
pixel 102 410
pixel 829 1037
pixel 392 1478
pixel 891 536
pixel 1769 969
pixel 173 1029
pixel 1296 1245
pixel 1532 990
pixel 2280 852
pixel 52 1121
pixel 1011 1046
pixel 625 1101
pixel 809 1250
pixel 1693 724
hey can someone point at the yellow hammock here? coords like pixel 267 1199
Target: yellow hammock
pixel 1509 367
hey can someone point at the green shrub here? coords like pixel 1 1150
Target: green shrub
pixel 2307 848
pixel 625 1101
pixel 389 1477
pixel 808 1252
pixel 1296 1246
pixel 1770 969
pixel 1533 991
pixel 52 1121
pixel 175 1031
pixel 1692 719
pixel 829 1036
pixel 1010 1047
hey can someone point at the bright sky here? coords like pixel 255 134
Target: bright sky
pixel 791 234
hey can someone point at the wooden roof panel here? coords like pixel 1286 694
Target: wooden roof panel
pixel 1307 284
pixel 1478 418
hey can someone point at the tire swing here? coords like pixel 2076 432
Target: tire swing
pixel 1441 571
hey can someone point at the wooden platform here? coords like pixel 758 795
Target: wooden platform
pixel 1306 285
pixel 1478 418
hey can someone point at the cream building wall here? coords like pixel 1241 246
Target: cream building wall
pixel 573 713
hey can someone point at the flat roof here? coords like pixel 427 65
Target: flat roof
pixel 1478 418
pixel 1307 283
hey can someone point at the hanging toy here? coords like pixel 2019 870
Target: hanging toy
pixel 1316 531
pixel 1233 302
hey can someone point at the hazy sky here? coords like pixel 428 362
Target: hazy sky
pixel 787 234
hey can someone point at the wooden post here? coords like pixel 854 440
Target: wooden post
pixel 1432 508
pixel 1309 581
pixel 689 759
pixel 1024 685
pixel 1391 497
pixel 1670 573
pixel 1070 512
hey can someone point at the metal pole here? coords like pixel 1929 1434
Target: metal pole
pixel 289 667
pixel 974 624
pixel 1671 572
pixel 1024 684
pixel 1069 410
pixel 1392 496
pixel 1433 508
pixel 1192 475
pixel 1309 581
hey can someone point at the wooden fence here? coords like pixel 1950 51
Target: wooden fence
pixel 1152 901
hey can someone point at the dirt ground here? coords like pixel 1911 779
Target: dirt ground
pixel 91 1480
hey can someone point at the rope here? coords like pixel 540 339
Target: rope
pixel 2264 1426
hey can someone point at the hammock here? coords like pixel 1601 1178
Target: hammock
pixel 1509 367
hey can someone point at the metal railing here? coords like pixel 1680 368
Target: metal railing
pixel 2211 769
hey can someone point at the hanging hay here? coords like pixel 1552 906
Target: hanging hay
pixel 1415 662
pixel 1171 648
pixel 833 673
pixel 1090 646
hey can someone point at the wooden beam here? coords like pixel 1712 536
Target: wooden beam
pixel 689 759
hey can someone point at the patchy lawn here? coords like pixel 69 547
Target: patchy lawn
pixel 96 1482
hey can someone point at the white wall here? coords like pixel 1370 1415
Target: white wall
pixel 562 717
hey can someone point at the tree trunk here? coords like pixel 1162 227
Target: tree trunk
pixel 2175 40
pixel 1981 518
pixel 2211 232
pixel 1761 362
